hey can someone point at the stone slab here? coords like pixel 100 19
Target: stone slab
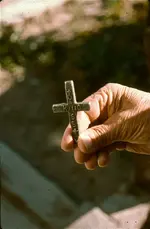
pixel 133 218
pixel 32 194
pixel 95 219
pixel 11 218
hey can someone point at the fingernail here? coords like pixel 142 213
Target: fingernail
pixel 69 139
pixel 86 140
pixel 102 160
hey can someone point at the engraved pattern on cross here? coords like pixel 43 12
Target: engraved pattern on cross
pixel 72 107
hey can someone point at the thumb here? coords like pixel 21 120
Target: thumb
pixel 98 137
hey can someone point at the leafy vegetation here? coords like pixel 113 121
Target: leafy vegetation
pixel 114 53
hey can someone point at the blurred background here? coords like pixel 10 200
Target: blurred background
pixel 42 44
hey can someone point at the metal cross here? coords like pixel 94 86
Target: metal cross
pixel 72 107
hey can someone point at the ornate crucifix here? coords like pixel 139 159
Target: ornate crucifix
pixel 72 107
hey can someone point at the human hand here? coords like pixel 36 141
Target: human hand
pixel 119 119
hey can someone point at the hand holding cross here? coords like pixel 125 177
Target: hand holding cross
pixel 72 107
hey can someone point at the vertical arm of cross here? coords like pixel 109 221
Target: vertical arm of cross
pixel 70 92
pixel 72 107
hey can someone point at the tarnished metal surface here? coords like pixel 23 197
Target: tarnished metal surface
pixel 72 107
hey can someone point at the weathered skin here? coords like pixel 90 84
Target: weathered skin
pixel 119 119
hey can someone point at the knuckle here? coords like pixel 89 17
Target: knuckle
pixel 93 96
pixel 109 85
pixel 113 86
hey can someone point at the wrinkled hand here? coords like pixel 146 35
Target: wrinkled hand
pixel 119 119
